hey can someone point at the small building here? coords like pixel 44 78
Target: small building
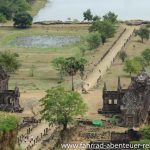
pixel 133 103
pixel 9 99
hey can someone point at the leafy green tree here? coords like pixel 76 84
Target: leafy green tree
pixel 146 56
pixel 143 33
pixel 96 18
pixel 9 7
pixel 106 28
pixel 58 63
pixel 111 17
pixel 2 18
pixel 95 27
pixel 140 60
pixel 8 131
pixel 88 15
pixel 22 20
pixel 61 106
pixel 123 56
pixel 72 65
pixel 104 38
pixel 145 132
pixel 83 49
pixel 6 12
pixel 9 61
pixel 132 66
pixel 94 40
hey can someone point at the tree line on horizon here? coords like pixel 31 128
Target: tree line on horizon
pixel 100 30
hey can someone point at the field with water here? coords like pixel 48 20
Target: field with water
pixel 37 47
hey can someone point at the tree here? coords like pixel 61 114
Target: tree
pixel 88 15
pixel 9 61
pixel 9 7
pixel 123 55
pixel 72 65
pixel 61 106
pixel 95 26
pixel 58 63
pixel 104 38
pixel 96 18
pixel 132 66
pixel 22 20
pixel 94 40
pixel 83 49
pixel 146 56
pixel 105 28
pixel 145 132
pixel 6 12
pixel 2 18
pixel 111 17
pixel 143 33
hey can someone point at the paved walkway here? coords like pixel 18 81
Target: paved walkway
pixel 102 67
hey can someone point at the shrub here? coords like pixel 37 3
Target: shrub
pixel 94 40
pixel 123 55
pixel 22 20
pixel 2 18
pixel 8 122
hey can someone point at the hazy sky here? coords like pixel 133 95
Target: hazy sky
pixel 63 9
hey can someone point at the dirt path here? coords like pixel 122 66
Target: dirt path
pixel 102 67
pixel 33 135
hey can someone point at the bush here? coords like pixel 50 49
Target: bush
pixel 110 16
pixel 94 40
pixel 2 18
pixel 22 20
pixel 9 7
pixel 145 132
pixel 146 56
pixel 6 11
pixel 143 33
pixel 9 61
pixel 123 55
pixel 106 28
pixel 7 122
pixel 132 66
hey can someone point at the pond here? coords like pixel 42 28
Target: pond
pixel 45 41
pixel 64 9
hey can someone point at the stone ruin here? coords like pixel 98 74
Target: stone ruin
pixel 9 99
pixel 133 104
